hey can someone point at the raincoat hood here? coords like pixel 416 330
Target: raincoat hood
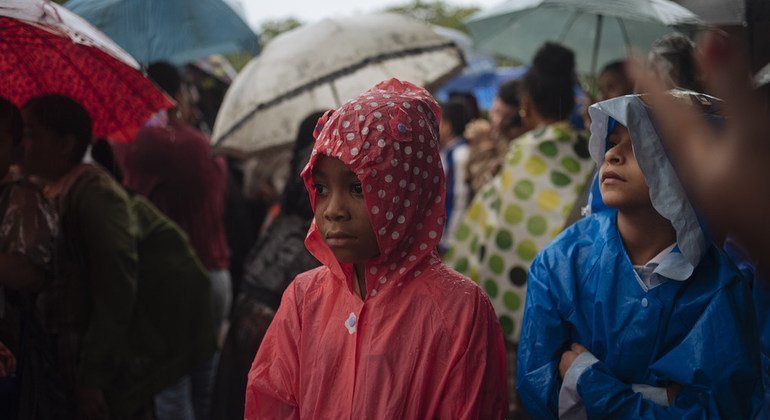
pixel 388 136
pixel 666 191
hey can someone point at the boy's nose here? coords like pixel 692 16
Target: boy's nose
pixel 612 156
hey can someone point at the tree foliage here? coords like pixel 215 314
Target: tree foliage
pixel 436 12
pixel 272 28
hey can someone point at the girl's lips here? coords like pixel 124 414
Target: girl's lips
pixel 339 239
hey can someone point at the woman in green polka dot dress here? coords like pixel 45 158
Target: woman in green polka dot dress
pixel 525 206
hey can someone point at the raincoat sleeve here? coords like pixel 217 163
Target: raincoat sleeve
pixel 273 384
pixel 477 385
pixel 718 381
pixel 108 227
pixel 544 337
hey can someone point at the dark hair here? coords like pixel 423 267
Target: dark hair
pixel 470 101
pixel 10 120
pixel 166 76
pixel 677 52
pixel 509 93
pixel 65 117
pixel 457 114
pixel 617 67
pixel 102 153
pixel 551 80
pixel 295 199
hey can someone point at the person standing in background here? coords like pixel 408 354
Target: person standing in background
pixel 170 163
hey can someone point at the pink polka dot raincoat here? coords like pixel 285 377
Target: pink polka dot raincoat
pixel 425 342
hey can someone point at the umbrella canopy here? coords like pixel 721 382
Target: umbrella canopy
pixel 178 31
pixel 717 12
pixel 319 66
pixel 599 31
pixel 46 49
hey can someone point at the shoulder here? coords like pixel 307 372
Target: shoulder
pixel 578 244
pixel 307 283
pixel 453 294
pixel 94 186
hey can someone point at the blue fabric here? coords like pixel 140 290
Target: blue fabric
pixel 178 31
pixel 699 333
pixel 450 180
pixel 761 294
pixel 484 84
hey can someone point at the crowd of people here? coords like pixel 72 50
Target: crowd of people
pixel 558 257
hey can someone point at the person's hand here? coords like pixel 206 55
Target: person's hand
pixel 7 361
pixel 568 357
pixel 724 171
pixel 672 390
pixel 92 404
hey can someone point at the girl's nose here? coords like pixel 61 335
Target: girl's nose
pixel 336 210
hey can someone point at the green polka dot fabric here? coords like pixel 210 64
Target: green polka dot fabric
pixel 520 211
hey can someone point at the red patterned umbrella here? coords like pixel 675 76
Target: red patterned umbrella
pixel 46 49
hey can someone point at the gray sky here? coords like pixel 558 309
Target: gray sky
pixel 258 11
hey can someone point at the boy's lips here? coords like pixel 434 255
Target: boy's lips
pixel 610 177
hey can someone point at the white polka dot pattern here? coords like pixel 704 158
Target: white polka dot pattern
pixel 401 120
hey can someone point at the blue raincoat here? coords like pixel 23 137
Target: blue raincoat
pixel 696 329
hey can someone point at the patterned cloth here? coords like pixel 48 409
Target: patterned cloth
pixel 520 211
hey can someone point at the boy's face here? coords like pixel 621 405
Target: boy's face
pixel 7 150
pixel 341 214
pixel 622 183
pixel 42 148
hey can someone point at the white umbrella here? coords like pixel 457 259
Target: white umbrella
pixel 599 31
pixel 318 67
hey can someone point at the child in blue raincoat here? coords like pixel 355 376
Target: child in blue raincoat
pixel 631 312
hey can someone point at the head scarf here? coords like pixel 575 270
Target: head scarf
pixel 388 136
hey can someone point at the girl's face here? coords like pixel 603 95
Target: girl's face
pixel 622 182
pixel 341 214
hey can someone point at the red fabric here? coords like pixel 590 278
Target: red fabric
pixel 37 60
pixel 426 342
pixel 172 166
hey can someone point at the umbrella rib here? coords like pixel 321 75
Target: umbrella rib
pixel 326 79
pixel 597 42
pixel 568 26
pixel 624 31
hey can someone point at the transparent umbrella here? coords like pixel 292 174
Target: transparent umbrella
pixel 599 31
pixel 319 66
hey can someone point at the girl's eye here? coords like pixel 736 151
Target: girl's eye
pixel 356 188
pixel 320 189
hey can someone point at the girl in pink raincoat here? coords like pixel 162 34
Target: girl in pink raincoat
pixel 382 330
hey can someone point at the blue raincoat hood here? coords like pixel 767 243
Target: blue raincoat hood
pixel 666 191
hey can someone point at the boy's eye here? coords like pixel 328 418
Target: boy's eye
pixel 356 188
